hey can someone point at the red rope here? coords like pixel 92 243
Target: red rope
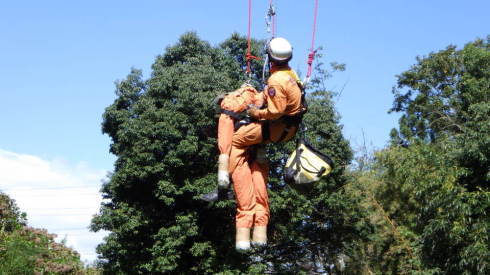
pixel 311 55
pixel 248 55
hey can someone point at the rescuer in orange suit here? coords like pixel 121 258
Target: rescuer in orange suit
pixel 248 164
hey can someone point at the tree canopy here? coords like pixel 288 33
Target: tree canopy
pixel 28 250
pixel 446 96
pixel 433 180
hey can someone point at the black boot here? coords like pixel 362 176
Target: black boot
pixel 218 194
pixel 211 196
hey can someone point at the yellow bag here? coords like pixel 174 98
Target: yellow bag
pixel 306 165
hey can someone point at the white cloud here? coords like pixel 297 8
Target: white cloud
pixel 55 195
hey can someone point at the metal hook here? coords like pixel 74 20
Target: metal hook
pixel 268 18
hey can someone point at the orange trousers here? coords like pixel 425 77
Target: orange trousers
pixel 249 172
pixel 249 176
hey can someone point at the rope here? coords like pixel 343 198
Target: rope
pixel 311 55
pixel 274 25
pixel 271 19
pixel 248 55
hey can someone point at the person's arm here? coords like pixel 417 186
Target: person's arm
pixel 259 99
pixel 275 95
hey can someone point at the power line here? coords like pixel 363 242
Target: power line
pixel 48 188
pixel 62 215
pixel 75 234
pixel 61 208
pixel 57 195
pixel 69 229
pixel 40 216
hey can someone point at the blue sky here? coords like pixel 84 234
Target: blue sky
pixel 59 59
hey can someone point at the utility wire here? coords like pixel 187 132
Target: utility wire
pixel 61 208
pixel 57 195
pixel 49 188
pixel 62 215
pixel 75 234
pixel 69 229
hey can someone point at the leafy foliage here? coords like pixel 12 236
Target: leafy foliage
pixel 164 136
pixel 27 250
pixel 431 184
pixel 10 216
pixel 446 95
pixel 448 225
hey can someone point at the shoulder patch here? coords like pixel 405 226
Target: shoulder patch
pixel 271 91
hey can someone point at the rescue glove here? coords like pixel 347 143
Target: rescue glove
pixel 253 111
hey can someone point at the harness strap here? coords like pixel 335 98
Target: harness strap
pixel 291 121
pixel 301 86
pixel 266 132
pixel 234 115
pixel 242 122
pixel 297 160
pixel 239 119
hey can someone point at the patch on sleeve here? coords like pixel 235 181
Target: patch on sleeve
pixel 271 91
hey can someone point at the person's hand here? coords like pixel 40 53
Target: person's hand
pixel 253 111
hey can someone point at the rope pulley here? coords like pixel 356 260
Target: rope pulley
pixel 270 19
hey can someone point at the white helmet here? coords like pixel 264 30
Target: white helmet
pixel 279 50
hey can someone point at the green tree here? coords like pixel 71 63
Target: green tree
pixel 435 176
pixel 447 95
pixel 10 216
pixel 27 250
pixel 163 132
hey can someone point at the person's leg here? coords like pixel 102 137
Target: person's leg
pixel 245 198
pixel 260 172
pixel 249 182
pixel 241 175
pixel 243 138
pixel 225 133
pixel 225 136
pixel 244 193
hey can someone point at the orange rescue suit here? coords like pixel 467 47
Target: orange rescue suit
pixel 249 172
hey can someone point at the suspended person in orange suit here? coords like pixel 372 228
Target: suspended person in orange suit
pixel 233 106
pixel 248 166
